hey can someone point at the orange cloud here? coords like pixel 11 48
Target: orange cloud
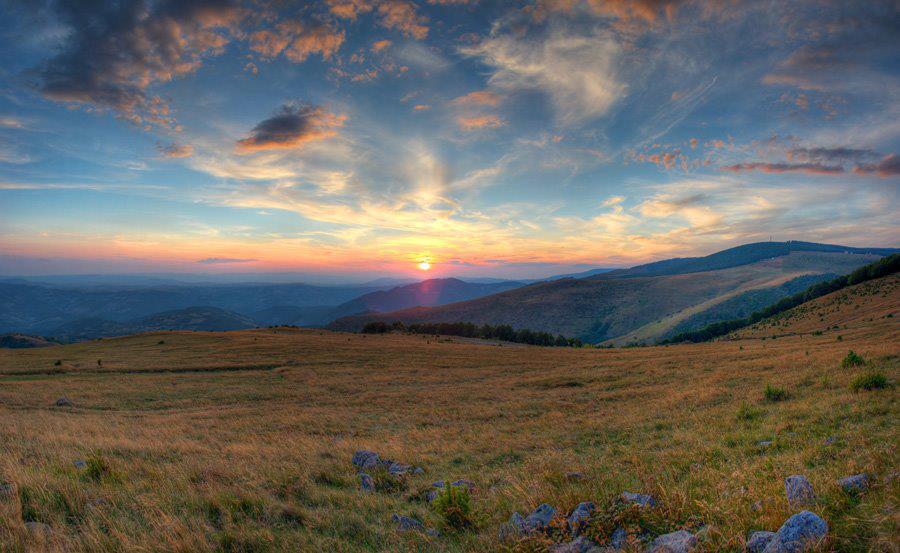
pixel 478 98
pixel 811 168
pixel 479 122
pixel 292 127
pixel 421 107
pixel 401 15
pixel 380 45
pixel 175 150
pixel 296 41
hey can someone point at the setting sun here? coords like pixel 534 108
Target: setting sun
pixel 424 265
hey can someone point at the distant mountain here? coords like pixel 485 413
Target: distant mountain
pixel 193 318
pixel 21 341
pixel 437 291
pixel 37 308
pixel 653 298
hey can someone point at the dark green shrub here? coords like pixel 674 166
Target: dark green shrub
pixel 772 393
pixel 454 507
pixel 873 380
pixel 853 359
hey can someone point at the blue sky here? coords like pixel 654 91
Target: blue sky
pixel 487 138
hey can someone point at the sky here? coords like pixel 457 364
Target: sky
pixel 440 137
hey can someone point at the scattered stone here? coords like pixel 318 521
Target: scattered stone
pixel 366 483
pixel 540 518
pixel 580 544
pixel 764 443
pixel 758 541
pixel 514 528
pixel 580 516
pixel 468 484
pixel 619 538
pixel 830 440
pixel 799 491
pixel 79 463
pixel 574 476
pixel 398 469
pixel 855 483
pixel 681 541
pixel 798 533
pixel 407 524
pixel 64 402
pixel 365 459
pixel 638 499
pixel 38 528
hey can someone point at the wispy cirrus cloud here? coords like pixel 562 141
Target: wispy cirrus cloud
pixel 175 150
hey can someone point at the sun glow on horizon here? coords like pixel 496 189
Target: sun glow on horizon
pixel 424 265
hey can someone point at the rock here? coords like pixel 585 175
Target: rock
pixel 799 491
pixel 38 528
pixel 398 469
pixel 619 538
pixel 830 440
pixel 758 541
pixel 580 516
pixel 64 402
pixel 681 541
pixel 79 463
pixel 575 476
pixel 366 483
pixel 468 484
pixel 540 518
pixel 855 484
pixel 514 528
pixel 580 544
pixel 407 524
pixel 638 499
pixel 365 459
pixel 764 443
pixel 798 533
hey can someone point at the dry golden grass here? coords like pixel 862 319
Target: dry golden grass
pixel 242 441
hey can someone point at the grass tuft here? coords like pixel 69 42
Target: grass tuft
pixel 453 506
pixel 873 380
pixel 853 359
pixel 773 393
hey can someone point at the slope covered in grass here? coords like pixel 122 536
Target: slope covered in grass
pixel 243 441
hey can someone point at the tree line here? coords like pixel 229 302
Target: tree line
pixel 883 267
pixel 505 333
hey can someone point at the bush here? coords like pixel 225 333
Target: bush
pixel 874 380
pixel 853 359
pixel 454 507
pixel 771 393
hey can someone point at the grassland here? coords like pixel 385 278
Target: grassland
pixel 242 441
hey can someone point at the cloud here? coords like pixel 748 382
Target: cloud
pixel 577 72
pixel 811 168
pixel 421 107
pixel 349 9
pixel 399 15
pixel 291 127
pixel 380 45
pixel 478 98
pixel 115 51
pixel 223 260
pixel 297 41
pixel 830 154
pixel 479 122
pixel 9 122
pixel 175 150
pixel 887 167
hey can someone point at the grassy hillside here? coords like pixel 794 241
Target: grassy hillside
pixel 602 307
pixel 192 318
pixel 243 441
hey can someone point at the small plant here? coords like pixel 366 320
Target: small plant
pixel 853 359
pixel 97 468
pixel 454 507
pixel 747 412
pixel 58 363
pixel 385 482
pixel 773 393
pixel 873 380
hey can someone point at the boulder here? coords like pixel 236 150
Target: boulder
pixel 619 538
pixel 365 459
pixel 407 524
pixel 64 402
pixel 580 544
pixel 638 499
pixel 580 516
pixel 366 483
pixel 681 541
pixel 540 518
pixel 514 528
pixel 855 484
pixel 798 534
pixel 758 541
pixel 799 491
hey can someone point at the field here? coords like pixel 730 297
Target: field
pixel 242 441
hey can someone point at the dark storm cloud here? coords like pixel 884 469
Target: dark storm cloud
pixel 292 126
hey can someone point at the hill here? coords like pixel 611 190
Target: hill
pixel 243 441
pixel 19 341
pixel 611 306
pixel 437 291
pixel 192 318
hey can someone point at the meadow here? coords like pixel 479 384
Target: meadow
pixel 242 441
